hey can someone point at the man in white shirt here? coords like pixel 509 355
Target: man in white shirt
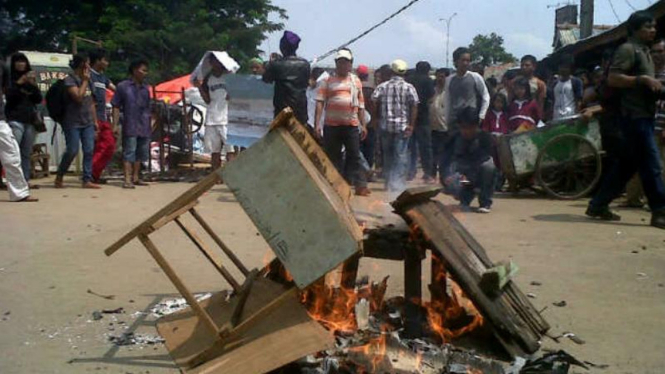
pixel 213 91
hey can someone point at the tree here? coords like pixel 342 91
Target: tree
pixel 171 34
pixel 488 50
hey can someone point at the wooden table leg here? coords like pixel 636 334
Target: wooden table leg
pixel 350 272
pixel 219 242
pixel 413 293
pixel 170 273
pixel 209 255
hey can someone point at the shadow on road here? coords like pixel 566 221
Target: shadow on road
pixel 574 218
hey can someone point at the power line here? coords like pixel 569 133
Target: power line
pixel 614 11
pixel 402 9
pixel 630 5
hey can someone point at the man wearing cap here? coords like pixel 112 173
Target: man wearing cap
pixel 291 77
pixel 397 105
pixel 344 121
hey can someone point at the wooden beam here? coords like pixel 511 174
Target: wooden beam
pixel 170 217
pixel 219 242
pixel 179 285
pixel 209 255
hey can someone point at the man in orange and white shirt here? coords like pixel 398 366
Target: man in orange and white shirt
pixel 344 122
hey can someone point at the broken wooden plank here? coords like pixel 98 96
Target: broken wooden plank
pixel 516 297
pixel 466 264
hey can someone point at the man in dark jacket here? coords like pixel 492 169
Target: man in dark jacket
pixel 421 141
pixel 632 72
pixel 472 157
pixel 291 77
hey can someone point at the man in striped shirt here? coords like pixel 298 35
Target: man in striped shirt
pixel 344 122
pixel 397 106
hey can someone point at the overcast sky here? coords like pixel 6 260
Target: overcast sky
pixel 417 34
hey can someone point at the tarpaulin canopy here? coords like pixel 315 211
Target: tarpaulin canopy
pixel 170 91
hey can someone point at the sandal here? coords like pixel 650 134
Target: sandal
pixel 141 183
pixel 128 185
pixel 58 183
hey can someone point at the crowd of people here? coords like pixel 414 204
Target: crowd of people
pixel 78 103
pixel 448 120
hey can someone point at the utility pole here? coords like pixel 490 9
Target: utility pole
pixel 447 21
pixel 586 18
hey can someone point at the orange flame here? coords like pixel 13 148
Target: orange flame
pixel 375 350
pixel 332 307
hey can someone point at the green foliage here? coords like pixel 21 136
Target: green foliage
pixel 171 34
pixel 488 50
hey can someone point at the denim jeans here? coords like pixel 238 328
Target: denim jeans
pixel 336 138
pixel 420 144
pixel 367 147
pixel 73 136
pixel 25 137
pixel 395 149
pixel 439 141
pixel 640 154
pixel 482 178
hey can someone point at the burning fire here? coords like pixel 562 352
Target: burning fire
pixel 375 350
pixel 451 306
pixel 332 307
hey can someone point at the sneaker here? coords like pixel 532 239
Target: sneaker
pixel 484 210
pixel 363 191
pixel 603 213
pixel 658 219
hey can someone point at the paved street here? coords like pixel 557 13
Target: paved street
pixel 610 275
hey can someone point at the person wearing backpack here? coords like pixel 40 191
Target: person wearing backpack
pixel 632 73
pixel 79 122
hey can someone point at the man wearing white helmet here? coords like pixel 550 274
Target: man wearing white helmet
pixel 397 105
pixel 342 96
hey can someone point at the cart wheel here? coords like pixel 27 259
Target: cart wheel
pixel 568 167
pixel 196 118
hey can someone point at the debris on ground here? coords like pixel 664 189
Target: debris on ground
pixel 560 304
pixel 97 315
pixel 576 339
pixel 130 338
pixel 170 306
pixel 107 297
pixel 552 363
pixel 114 311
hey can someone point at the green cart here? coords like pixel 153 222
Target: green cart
pixel 563 157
